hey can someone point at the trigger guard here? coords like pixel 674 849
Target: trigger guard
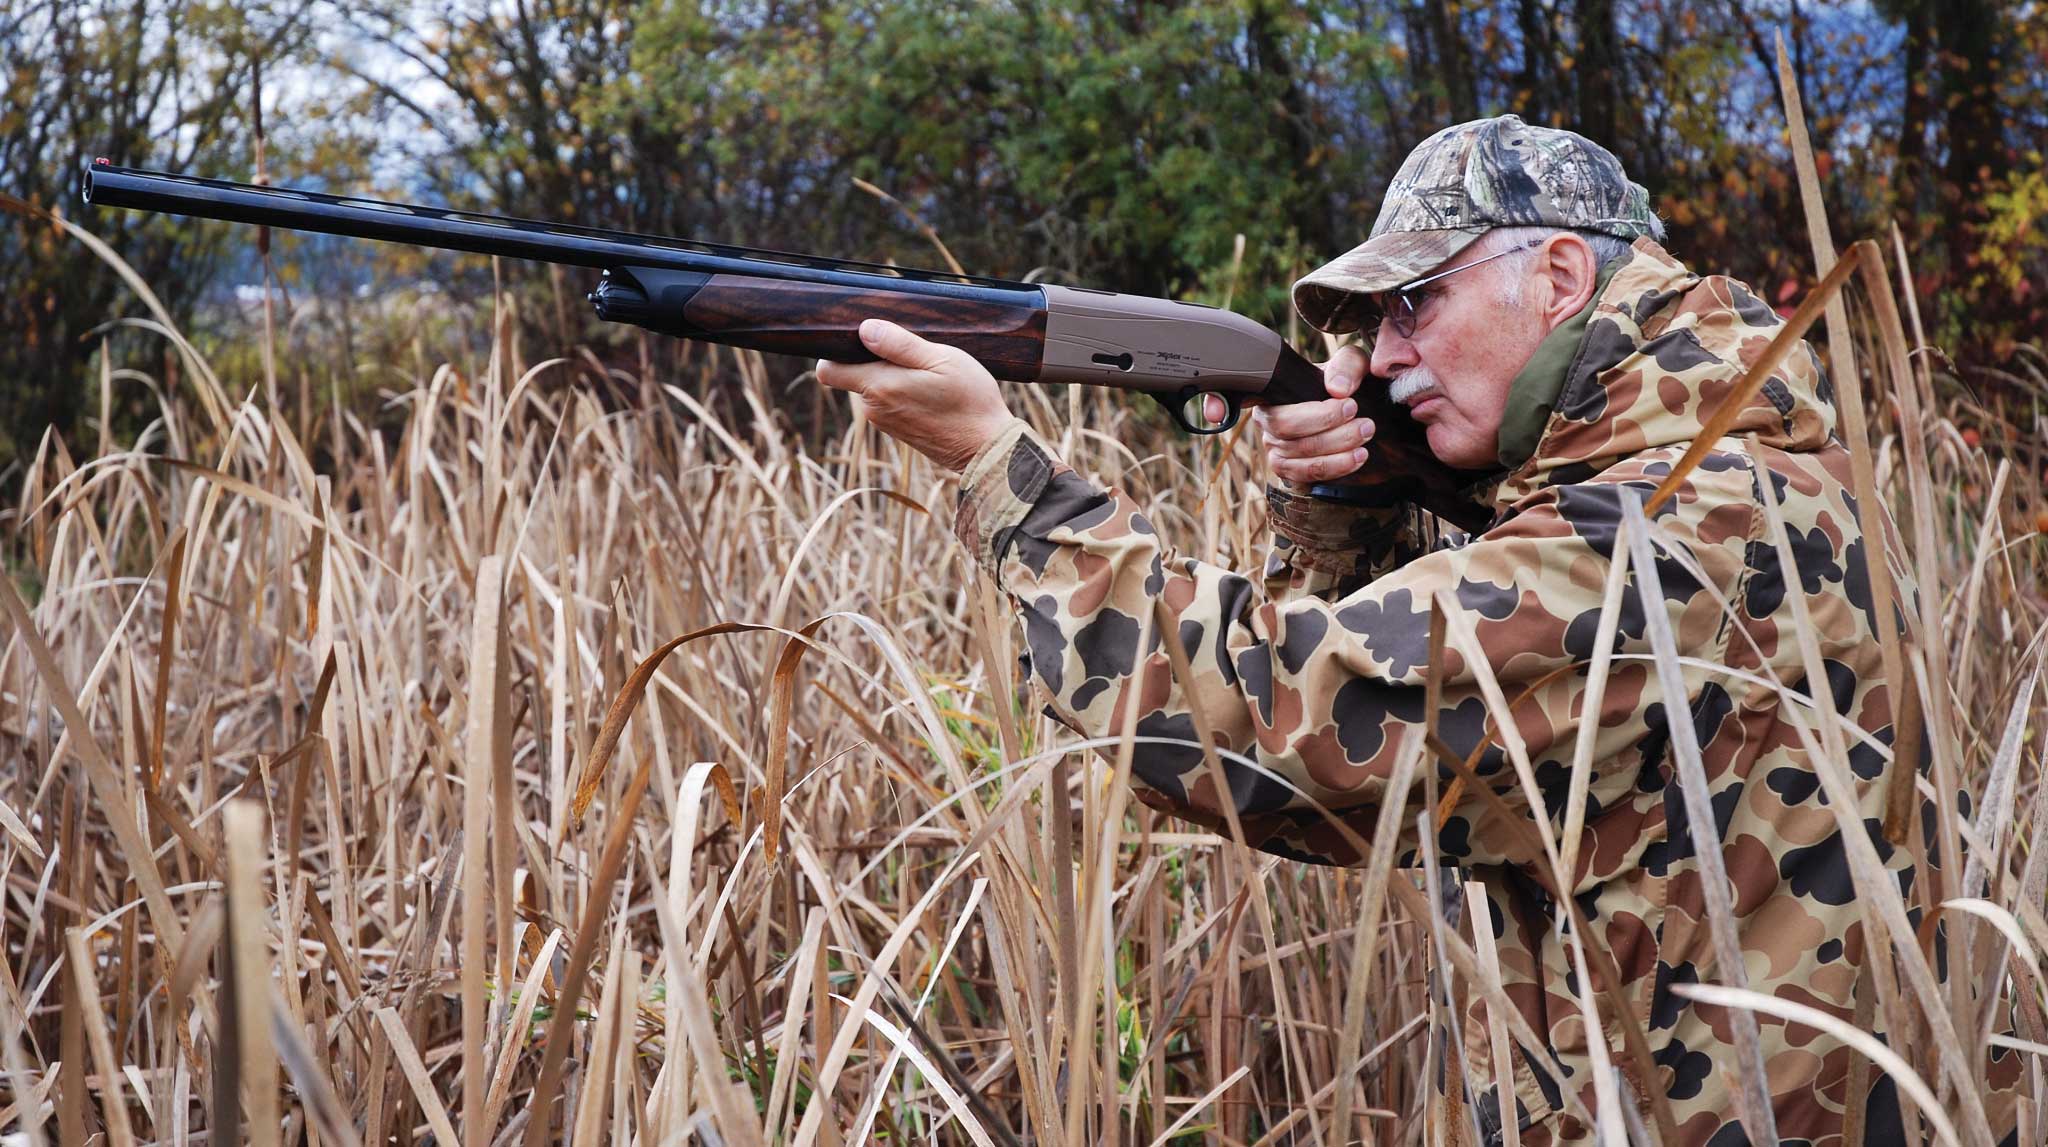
pixel 1177 404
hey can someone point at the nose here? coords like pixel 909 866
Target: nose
pixel 1392 353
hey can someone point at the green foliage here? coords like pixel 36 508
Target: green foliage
pixel 1117 145
pixel 2014 232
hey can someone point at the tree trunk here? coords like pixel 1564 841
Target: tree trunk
pixel 1533 85
pixel 1909 174
pixel 1599 71
pixel 1269 55
pixel 1446 30
pixel 1968 31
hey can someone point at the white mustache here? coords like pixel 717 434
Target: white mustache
pixel 1410 385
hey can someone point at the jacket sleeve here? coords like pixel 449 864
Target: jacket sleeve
pixel 1318 690
pixel 1329 550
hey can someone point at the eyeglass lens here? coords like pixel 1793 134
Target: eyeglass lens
pixel 1395 306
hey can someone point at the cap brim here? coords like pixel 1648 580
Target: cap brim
pixel 1381 263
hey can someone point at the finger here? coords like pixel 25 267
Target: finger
pixel 1322 468
pixel 1214 409
pixel 1302 419
pixel 843 375
pixel 1338 440
pixel 902 346
pixel 1345 370
pixel 1325 468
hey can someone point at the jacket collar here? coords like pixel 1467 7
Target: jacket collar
pixel 1662 347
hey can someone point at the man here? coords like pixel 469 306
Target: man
pixel 1518 303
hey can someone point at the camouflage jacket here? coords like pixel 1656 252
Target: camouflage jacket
pixel 1319 674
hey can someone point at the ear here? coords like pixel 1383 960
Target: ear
pixel 1566 273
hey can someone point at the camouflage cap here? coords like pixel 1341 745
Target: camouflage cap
pixel 1461 183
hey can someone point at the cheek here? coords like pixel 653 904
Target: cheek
pixel 1475 363
pixel 1460 364
pixel 1489 393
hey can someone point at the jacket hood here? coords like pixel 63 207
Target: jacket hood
pixel 1662 350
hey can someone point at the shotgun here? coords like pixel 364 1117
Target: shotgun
pixel 1178 353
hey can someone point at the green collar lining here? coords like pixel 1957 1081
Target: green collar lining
pixel 1533 394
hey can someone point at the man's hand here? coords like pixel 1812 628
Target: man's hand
pixel 935 398
pixel 1309 442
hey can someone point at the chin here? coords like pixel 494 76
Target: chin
pixel 1458 450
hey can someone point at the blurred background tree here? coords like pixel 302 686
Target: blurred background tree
pixel 1119 144
pixel 142 82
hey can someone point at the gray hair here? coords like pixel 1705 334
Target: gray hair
pixel 1509 270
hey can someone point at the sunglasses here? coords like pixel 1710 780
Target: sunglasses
pixel 1400 305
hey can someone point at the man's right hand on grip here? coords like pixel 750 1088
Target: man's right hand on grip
pixel 1330 443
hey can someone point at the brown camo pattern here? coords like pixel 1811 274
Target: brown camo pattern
pixel 1317 671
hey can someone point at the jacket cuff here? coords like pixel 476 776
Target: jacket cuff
pixel 998 489
pixel 1334 537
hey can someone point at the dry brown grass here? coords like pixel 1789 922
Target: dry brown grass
pixel 319 793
